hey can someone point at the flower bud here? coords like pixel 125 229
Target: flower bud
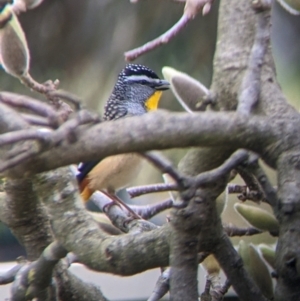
pixel 268 254
pixel 29 4
pixel 258 218
pixel 257 269
pixel 188 91
pixel 292 6
pixel 14 51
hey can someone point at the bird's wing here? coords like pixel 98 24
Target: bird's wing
pixel 83 171
pixel 114 110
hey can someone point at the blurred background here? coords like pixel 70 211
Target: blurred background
pixel 81 43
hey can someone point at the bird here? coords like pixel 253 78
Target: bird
pixel 137 91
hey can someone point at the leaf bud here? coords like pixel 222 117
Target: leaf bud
pixel 258 218
pixel 13 48
pixel 268 254
pixel 292 6
pixel 188 91
pixel 257 268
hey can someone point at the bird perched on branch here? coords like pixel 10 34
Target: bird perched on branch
pixel 136 92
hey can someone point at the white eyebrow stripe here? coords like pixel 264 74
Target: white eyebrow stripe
pixel 136 78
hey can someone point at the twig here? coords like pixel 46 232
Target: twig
pixel 163 39
pixel 45 88
pixel 270 193
pixel 225 287
pixel 22 135
pixel 48 89
pixel 165 166
pixel 162 187
pixel 232 230
pixel 205 296
pixel 191 10
pixel 148 211
pixel 47 139
pixel 235 188
pixel 36 120
pixel 145 189
pixel 252 184
pixel 252 195
pixel 67 130
pixel 161 287
pixel 211 176
pixel 31 104
pixel 9 276
pixel 119 216
pixel 14 161
pixel 67 96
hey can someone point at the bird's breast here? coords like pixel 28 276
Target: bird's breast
pixel 115 172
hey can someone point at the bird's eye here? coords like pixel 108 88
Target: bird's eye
pixel 144 82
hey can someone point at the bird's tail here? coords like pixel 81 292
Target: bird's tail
pixel 85 191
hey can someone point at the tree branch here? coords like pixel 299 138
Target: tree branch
pixel 157 131
pixel 94 248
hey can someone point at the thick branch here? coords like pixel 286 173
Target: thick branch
pixel 157 131
pixel 77 232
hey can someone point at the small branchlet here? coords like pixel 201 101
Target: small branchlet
pixel 232 230
pixel 46 137
pixel 119 215
pixel 145 189
pixel 191 10
pixel 148 211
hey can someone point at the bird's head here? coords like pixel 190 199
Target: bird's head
pixel 142 85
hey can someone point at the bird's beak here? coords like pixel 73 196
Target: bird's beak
pixel 162 85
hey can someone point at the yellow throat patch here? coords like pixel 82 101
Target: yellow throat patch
pixel 152 102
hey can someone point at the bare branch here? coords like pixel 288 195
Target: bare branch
pixel 94 247
pixel 47 139
pixel 18 158
pixel 192 8
pixel 145 189
pixel 22 135
pixel 232 230
pixel 157 131
pixel 161 286
pixel 236 188
pixel 36 120
pixel 148 211
pixel 163 39
pixel 35 106
pixel 165 166
pixel 211 176
pixel 45 88
pixel 254 192
pixel 67 96
pixel 119 217
pixel 9 276
pixel 270 193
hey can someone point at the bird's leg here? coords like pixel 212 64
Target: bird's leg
pixel 119 202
